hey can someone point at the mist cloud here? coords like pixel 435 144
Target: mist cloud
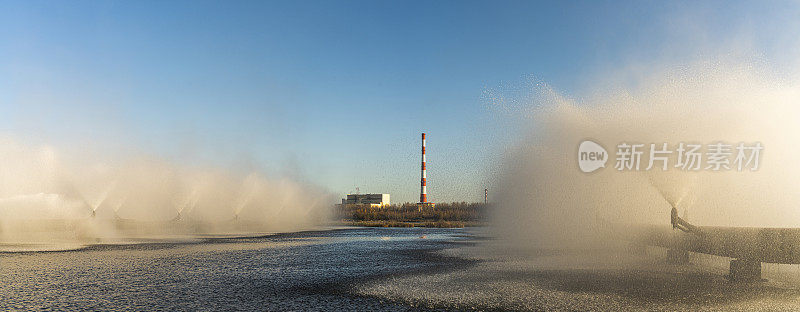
pixel 542 198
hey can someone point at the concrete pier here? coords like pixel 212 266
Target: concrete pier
pixel 745 271
pixel 677 256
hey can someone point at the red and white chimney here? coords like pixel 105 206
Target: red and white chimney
pixel 423 194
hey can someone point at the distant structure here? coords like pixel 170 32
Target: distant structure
pixel 373 200
pixel 423 193
pixel 485 196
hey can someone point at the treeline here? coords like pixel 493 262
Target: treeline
pixel 445 214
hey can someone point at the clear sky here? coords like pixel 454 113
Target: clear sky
pixel 335 92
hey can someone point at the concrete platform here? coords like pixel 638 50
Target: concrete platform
pixel 677 256
pixel 745 271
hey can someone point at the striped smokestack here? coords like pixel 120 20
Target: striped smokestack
pixel 423 194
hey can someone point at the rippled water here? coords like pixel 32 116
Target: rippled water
pixel 379 270
pixel 298 271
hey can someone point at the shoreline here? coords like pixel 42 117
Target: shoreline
pixel 408 224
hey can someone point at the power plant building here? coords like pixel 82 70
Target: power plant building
pixel 374 200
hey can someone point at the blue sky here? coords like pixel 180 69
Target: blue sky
pixel 336 92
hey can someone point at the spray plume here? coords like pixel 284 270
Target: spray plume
pixel 545 200
pixel 46 196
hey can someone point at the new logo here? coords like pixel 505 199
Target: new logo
pixel 591 156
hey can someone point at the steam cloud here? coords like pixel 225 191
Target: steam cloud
pixel 543 199
pixel 47 197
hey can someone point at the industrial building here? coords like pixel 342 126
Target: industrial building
pixel 374 200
